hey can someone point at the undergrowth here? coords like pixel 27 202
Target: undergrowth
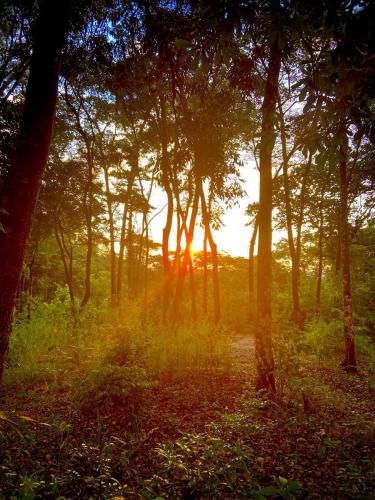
pixel 51 347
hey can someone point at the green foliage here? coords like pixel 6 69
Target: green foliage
pixel 200 464
pixel 36 343
pixel 298 357
pixel 203 465
pixel 320 338
pixel 366 348
pixel 112 386
pixel 283 489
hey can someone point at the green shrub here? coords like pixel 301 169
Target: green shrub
pixel 320 338
pixel 366 348
pixel 111 386
pixel 205 466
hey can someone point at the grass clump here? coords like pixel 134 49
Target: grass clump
pixel 112 386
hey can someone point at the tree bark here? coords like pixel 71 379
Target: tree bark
pixel 349 362
pixel 213 247
pixel 21 187
pixel 111 237
pixel 88 196
pixel 66 253
pixel 130 245
pixel 88 216
pixel 251 270
pixel 189 236
pixel 289 223
pixel 165 250
pixel 263 332
pixel 320 256
pixel 205 275
pixel 165 179
pixel 123 233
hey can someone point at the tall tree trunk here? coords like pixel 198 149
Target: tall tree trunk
pixel 205 275
pixel 189 236
pixel 88 195
pixel 147 255
pixel 165 249
pixel 138 276
pixel 338 261
pixel 89 202
pixel 21 187
pixel 66 255
pixel 349 362
pixel 123 237
pixel 289 222
pixel 320 256
pixel 263 332
pixel 179 233
pixel 130 245
pixel 300 219
pixel 111 237
pixel 213 247
pixel 166 182
pixel 251 270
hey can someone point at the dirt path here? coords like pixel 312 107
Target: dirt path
pixel 244 349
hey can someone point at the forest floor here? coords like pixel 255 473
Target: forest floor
pixel 206 435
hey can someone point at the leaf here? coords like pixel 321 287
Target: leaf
pixel 29 419
pixel 283 481
pixel 182 44
pixel 268 491
pixel 293 487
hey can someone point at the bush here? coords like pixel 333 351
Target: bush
pixel 320 338
pixel 112 385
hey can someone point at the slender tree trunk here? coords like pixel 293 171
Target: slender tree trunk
pixel 300 218
pixel 349 362
pixel 88 215
pixel 251 270
pixel 111 237
pixel 138 277
pixel 130 253
pixel 193 295
pixel 213 247
pixel 166 182
pixel 186 259
pixel 320 256
pixel 66 255
pixel 165 250
pixel 179 233
pixel 338 247
pixel 147 255
pixel 205 275
pixel 289 223
pixel 88 195
pixel 123 239
pixel 263 333
pixel 181 216
pixel 21 187
pixel 30 286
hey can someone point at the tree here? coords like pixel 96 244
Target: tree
pixel 30 156
pixel 263 332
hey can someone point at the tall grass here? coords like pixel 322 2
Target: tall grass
pixel 51 346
